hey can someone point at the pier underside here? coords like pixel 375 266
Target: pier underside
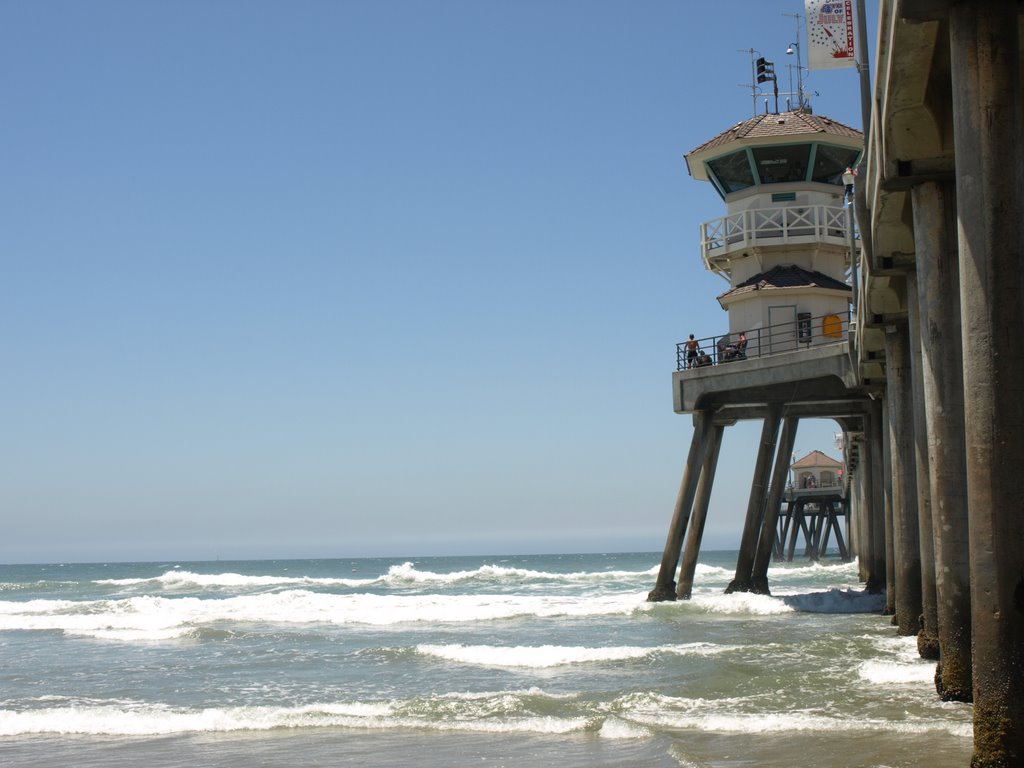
pixel 778 390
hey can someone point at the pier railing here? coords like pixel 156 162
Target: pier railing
pixel 792 335
pixel 774 226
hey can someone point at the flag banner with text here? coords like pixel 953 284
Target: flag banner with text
pixel 830 34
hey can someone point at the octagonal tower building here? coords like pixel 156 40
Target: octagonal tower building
pixel 784 243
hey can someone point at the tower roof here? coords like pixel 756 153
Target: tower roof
pixel 786 124
pixel 816 459
pixel 776 148
pixel 785 276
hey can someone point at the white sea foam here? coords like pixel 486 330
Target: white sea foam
pixel 147 618
pixel 32 607
pixel 408 573
pixel 182 580
pixel 831 570
pixel 403 574
pixel 158 720
pixel 901 648
pixel 890 672
pixel 544 725
pixel 482 713
pixel 828 601
pixel 616 728
pixel 741 603
pixel 721 716
pixel 546 656
pixel 707 572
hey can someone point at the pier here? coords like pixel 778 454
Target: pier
pixel 815 516
pixel 897 314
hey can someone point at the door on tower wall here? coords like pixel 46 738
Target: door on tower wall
pixel 782 336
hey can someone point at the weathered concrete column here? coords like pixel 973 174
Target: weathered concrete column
pixel 766 541
pixel 755 506
pixel 860 511
pixel 856 480
pixel 874 499
pixel 899 394
pixel 938 284
pixel 928 636
pixel 700 515
pixel 988 125
pixel 665 587
pixel 890 538
pixel 856 520
pixel 851 532
pixel 859 519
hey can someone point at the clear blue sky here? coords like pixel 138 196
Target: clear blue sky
pixel 388 277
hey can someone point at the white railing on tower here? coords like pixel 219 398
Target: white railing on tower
pixel 775 226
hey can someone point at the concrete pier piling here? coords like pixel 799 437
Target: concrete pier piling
pixel 938 284
pixel 906 541
pixel 985 55
pixel 885 473
pixel 928 636
pixel 766 540
pixel 874 500
pixel 695 534
pixel 756 505
pixel 948 116
pixel 665 587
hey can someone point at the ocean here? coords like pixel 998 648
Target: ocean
pixel 553 660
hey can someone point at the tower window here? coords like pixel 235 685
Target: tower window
pixel 779 164
pixel 830 162
pixel 733 171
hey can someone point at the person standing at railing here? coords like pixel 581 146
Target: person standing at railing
pixel 692 348
pixel 849 176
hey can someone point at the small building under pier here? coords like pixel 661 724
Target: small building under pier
pixel 816 470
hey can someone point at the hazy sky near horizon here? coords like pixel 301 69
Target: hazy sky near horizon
pixel 400 277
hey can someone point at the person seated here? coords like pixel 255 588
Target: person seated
pixel 741 346
pixel 703 359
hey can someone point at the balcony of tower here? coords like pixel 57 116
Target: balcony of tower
pixel 762 230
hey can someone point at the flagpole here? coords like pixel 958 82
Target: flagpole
pixel 821 14
pixel 860 204
pixel 864 68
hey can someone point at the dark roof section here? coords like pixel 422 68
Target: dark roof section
pixel 782 125
pixel 786 276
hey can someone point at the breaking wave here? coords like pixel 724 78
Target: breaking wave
pixel 526 711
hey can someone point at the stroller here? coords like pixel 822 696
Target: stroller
pixel 729 350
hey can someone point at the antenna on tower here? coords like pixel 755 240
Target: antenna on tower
pixel 795 47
